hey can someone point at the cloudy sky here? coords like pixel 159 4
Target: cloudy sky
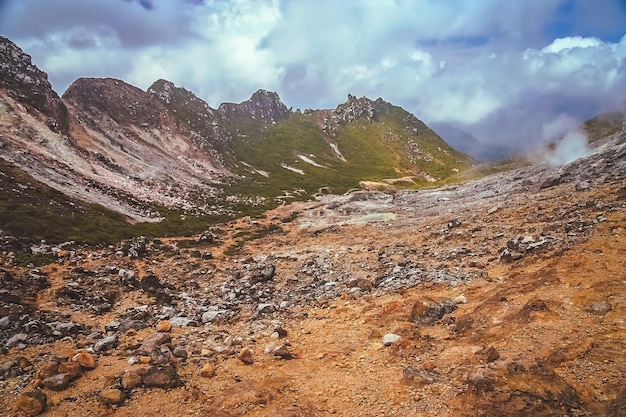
pixel 511 72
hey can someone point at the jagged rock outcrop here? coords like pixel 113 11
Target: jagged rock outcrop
pixel 264 107
pixel 30 86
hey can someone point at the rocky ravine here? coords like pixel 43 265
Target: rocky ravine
pixel 501 296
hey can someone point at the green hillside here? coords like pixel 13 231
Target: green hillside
pixel 295 154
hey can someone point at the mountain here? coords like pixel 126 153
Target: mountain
pixel 470 145
pixel 149 154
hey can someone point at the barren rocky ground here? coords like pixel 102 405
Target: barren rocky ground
pixel 497 297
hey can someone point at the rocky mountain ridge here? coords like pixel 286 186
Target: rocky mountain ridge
pixel 143 153
pixel 29 86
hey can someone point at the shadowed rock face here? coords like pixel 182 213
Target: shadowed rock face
pixel 29 85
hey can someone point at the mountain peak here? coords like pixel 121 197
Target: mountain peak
pixel 125 103
pixel 30 86
pixel 360 108
pixel 264 105
pixel 163 89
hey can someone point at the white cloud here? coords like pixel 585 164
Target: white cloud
pixel 476 63
pixel 571 42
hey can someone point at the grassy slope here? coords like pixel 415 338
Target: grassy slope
pixel 373 150
pixel 32 210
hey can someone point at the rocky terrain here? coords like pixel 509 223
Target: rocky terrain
pixel 500 296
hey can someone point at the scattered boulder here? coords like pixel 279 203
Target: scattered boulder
pixel 130 379
pixel 265 308
pixel 207 371
pixel 58 382
pixel 154 341
pixel 164 326
pixel 18 340
pixel 138 247
pixel 73 369
pixel 391 338
pixel 85 360
pixel 105 344
pixel 112 396
pixel 161 376
pixel 180 352
pixel 420 377
pixel 246 356
pixel 264 275
pixel 429 314
pixel 32 403
pixel 599 307
pixel 583 186
pixel 151 284
pixel 282 352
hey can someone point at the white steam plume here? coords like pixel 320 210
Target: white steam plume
pixel 570 143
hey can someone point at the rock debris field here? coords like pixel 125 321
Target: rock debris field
pixel 497 297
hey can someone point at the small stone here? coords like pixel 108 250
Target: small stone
pixel 57 382
pixel 48 370
pixel 600 307
pixel 16 340
pixel 207 371
pixel 460 299
pixel 281 332
pixel 85 359
pixel 130 379
pixel 183 322
pixel 209 316
pixel 390 338
pixel 73 369
pixel 155 340
pixel 32 403
pixel 282 352
pixel 265 308
pixel 111 396
pixel 180 352
pixel 5 322
pixel 583 186
pixel 164 326
pixel 246 356
pixel 105 344
pixel 161 376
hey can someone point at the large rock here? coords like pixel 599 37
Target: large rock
pixel 246 356
pixel 161 376
pixel 106 344
pixel 58 382
pixel 154 341
pixel 112 396
pixel 85 359
pixel 32 403
pixel 429 314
